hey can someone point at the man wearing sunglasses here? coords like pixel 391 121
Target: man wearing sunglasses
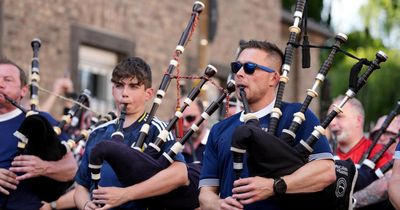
pixel 194 148
pixel 233 107
pixel 257 71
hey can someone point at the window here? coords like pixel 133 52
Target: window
pixel 93 55
pixel 94 69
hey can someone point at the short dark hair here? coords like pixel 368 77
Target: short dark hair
pixel 266 46
pixel 133 67
pixel 22 75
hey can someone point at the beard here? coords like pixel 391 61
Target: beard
pixel 342 137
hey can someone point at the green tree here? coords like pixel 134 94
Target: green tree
pixel 382 17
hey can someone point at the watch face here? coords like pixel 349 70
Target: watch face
pixel 280 186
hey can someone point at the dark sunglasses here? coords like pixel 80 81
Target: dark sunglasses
pixel 390 134
pixel 248 67
pixel 190 118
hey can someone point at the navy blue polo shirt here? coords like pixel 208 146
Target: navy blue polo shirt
pixel 131 134
pixel 23 197
pixel 217 169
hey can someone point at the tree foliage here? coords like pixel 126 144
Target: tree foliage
pixel 382 17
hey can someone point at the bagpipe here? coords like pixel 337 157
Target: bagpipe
pixel 80 140
pixel 34 76
pixel 62 126
pixel 180 48
pixel 73 111
pixel 380 132
pixel 368 172
pixel 37 136
pixel 274 156
pixel 74 117
pixel 14 103
pixel 154 148
pixel 294 30
pixel 270 156
pixel 152 159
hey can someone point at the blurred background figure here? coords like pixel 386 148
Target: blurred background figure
pixel 348 129
pixel 390 132
pixel 233 107
pixel 194 148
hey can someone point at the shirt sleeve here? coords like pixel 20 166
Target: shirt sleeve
pixel 322 150
pixel 83 175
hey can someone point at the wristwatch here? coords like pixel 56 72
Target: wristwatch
pixel 279 186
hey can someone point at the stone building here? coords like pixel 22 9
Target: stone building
pixel 85 39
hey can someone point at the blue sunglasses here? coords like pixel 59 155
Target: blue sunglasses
pixel 248 67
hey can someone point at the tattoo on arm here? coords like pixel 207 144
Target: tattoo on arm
pixel 373 193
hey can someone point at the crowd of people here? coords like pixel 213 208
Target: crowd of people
pixel 257 71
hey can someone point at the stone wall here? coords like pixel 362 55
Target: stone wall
pixel 152 27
